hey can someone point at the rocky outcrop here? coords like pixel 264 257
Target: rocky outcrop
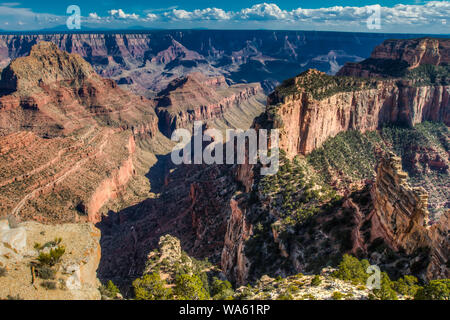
pixel 13 242
pixel 76 272
pixel 169 259
pixel 394 57
pixel 313 107
pixel 402 211
pixel 200 98
pixel 302 287
pixel 400 217
pixel 233 259
pixel 93 126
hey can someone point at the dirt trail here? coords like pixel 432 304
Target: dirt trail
pixel 74 168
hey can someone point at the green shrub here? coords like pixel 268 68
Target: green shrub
pixel 351 269
pixel 52 257
pixel 386 291
pixel 151 287
pixel 109 290
pixel 316 281
pixel 221 290
pixel 406 286
pixel 293 289
pixel 337 295
pixel 361 287
pixel 190 287
pixel 56 242
pixel 3 272
pixel 308 296
pixel 285 296
pixel 435 290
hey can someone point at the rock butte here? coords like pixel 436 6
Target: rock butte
pixel 94 126
pixel 308 120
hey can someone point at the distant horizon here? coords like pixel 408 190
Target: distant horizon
pixel 149 30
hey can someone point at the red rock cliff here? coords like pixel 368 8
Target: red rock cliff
pixel 400 217
pixel 68 136
pixel 200 98
pixel 313 106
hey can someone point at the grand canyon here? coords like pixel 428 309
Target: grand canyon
pixel 92 207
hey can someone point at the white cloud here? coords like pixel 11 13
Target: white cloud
pixel 151 17
pixel 93 15
pixel 429 13
pixel 120 14
pixel 263 11
pixel 198 14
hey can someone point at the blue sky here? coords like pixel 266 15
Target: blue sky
pixel 408 16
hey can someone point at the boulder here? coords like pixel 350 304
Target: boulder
pixel 4 225
pixel 15 239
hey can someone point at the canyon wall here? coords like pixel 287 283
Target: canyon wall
pixel 307 122
pixel 233 259
pixel 147 61
pixel 392 56
pixel 68 135
pixel 400 217
pixel 200 98
pixel 313 106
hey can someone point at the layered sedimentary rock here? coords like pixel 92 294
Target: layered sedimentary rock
pixel 393 56
pixel 233 259
pixel 55 93
pixel 210 100
pixel 222 213
pixel 313 106
pixel 307 121
pixel 400 217
pixel 147 62
pixel 68 137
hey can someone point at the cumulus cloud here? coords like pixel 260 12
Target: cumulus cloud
pixel 93 15
pixel 198 14
pixel 269 11
pixel 120 14
pixel 263 11
pixel 343 18
pixel 151 17
pixel 399 14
